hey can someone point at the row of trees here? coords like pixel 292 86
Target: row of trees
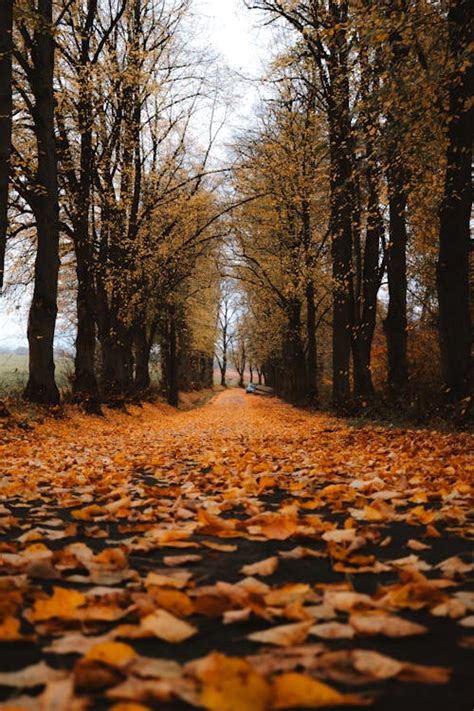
pixel 347 228
pixel 359 170
pixel 101 170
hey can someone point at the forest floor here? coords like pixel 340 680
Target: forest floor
pixel 240 556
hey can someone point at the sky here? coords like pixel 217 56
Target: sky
pixel 240 38
pixel 236 33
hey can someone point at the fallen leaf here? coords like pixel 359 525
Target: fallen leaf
pixel 375 664
pixel 35 675
pixel 332 630
pixel 230 684
pixel 10 630
pixel 232 616
pixel 223 547
pixel 387 625
pixel 417 545
pixel 283 635
pixel 293 690
pixel 115 654
pixel 166 626
pixel 63 603
pixel 263 567
pixel 172 579
pixel 181 559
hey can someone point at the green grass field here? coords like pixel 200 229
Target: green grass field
pixel 14 372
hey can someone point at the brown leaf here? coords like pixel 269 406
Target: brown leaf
pixel 388 625
pixel 34 675
pixel 263 567
pixel 283 635
pixel 166 626
pixel 332 630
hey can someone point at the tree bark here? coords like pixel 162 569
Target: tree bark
pixel 173 385
pixel 371 278
pixel 6 108
pixel 117 363
pixel 311 352
pixel 294 357
pixel 395 324
pixel 454 236
pixel 142 359
pixel 223 370
pixel 85 385
pixel 41 386
pixel 340 141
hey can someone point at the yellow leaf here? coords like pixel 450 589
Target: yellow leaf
pixel 287 594
pixel 115 654
pixel 89 512
pixel 175 601
pixel 10 630
pixel 373 514
pixel 293 690
pixel 230 684
pixel 63 603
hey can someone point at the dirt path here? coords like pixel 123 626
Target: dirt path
pixel 138 538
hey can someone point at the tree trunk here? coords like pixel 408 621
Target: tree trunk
pixel 454 236
pixel 371 279
pixel 294 358
pixel 117 362
pixel 173 386
pixel 395 324
pixel 85 386
pixel 85 382
pixel 311 353
pixel 6 107
pixel 223 369
pixel 41 386
pixel 341 198
pixel 142 359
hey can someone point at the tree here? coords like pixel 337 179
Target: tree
pixel 84 39
pixel 6 108
pixel 225 322
pixel 36 59
pixel 324 27
pixel 455 213
pixel 239 349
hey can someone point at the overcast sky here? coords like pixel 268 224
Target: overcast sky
pixel 234 31
pixel 243 42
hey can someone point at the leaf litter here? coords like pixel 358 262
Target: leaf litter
pixel 244 556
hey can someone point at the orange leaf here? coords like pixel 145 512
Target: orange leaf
pixel 63 603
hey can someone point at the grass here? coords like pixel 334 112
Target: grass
pixel 14 372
